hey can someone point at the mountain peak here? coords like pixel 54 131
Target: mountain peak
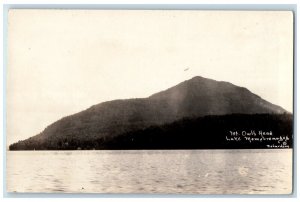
pixel 211 97
pixel 196 85
pixel 196 97
pixel 199 78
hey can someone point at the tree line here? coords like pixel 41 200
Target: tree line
pixel 208 132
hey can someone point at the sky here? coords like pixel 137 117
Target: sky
pixel 61 62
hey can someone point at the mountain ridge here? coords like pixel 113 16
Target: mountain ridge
pixel 195 97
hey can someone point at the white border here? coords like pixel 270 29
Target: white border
pixel 110 3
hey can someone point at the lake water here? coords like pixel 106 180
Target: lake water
pixel 158 171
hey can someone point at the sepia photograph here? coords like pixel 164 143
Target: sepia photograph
pixel 150 101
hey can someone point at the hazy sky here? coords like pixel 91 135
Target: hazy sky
pixel 63 61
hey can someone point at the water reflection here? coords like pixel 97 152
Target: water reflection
pixel 181 171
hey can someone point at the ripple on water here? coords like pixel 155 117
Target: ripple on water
pixel 169 171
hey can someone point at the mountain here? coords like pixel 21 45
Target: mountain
pixel 196 97
pixel 233 131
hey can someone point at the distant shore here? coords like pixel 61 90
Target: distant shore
pixel 235 131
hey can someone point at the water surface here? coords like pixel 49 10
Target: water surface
pixel 151 171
